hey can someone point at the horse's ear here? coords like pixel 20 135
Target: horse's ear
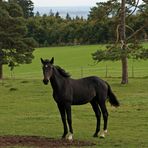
pixel 52 60
pixel 42 61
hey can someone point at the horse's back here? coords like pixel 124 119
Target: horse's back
pixel 93 81
pixel 85 89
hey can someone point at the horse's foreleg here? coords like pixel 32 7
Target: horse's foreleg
pixel 98 116
pixel 69 120
pixel 63 117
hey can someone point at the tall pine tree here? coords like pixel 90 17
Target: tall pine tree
pixel 125 46
pixel 15 47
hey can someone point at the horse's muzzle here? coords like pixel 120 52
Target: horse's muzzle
pixel 45 81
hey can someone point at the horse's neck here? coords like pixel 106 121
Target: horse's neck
pixel 57 80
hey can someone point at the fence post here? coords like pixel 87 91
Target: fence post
pixel 106 71
pixel 132 70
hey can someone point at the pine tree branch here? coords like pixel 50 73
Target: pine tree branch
pixel 136 6
pixel 129 28
pixel 136 32
pixel 117 34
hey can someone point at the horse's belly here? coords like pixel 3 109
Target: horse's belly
pixel 81 101
pixel 83 96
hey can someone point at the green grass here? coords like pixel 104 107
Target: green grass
pixel 27 106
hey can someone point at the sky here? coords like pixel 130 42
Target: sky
pixel 57 3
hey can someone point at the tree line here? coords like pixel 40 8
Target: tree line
pixel 99 27
pixel 52 29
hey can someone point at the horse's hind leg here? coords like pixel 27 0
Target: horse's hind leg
pixel 98 116
pixel 105 117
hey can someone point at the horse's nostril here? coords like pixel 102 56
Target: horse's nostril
pixel 45 81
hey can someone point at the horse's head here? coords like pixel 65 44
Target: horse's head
pixel 47 69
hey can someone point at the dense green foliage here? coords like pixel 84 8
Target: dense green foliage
pixel 98 28
pixel 15 46
pixel 113 53
pixel 27 7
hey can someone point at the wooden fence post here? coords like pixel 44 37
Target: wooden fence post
pixel 106 71
pixel 132 70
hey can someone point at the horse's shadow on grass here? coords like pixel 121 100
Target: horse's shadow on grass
pixel 40 142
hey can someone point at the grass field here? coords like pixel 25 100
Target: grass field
pixel 27 106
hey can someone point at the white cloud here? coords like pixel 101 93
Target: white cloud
pixel 50 3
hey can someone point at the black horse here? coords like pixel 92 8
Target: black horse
pixel 68 91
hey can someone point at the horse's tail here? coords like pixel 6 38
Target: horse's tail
pixel 112 98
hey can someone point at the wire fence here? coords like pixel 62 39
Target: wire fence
pixel 133 72
pixel 79 72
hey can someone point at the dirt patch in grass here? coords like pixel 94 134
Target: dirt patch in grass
pixel 40 142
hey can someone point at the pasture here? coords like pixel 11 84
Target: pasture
pixel 27 106
pixel 78 61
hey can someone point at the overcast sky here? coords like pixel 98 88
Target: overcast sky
pixel 50 3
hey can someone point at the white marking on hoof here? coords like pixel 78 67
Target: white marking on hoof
pixel 70 137
pixel 102 135
pixel 105 131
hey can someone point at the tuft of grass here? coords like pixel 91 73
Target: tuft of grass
pixel 13 89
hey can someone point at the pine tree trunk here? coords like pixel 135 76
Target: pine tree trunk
pixel 124 70
pixel 123 45
pixel 1 71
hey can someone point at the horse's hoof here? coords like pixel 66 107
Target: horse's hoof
pixel 105 131
pixel 102 135
pixel 70 137
pixel 95 135
pixel 64 136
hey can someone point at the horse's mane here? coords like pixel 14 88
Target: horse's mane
pixel 62 72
